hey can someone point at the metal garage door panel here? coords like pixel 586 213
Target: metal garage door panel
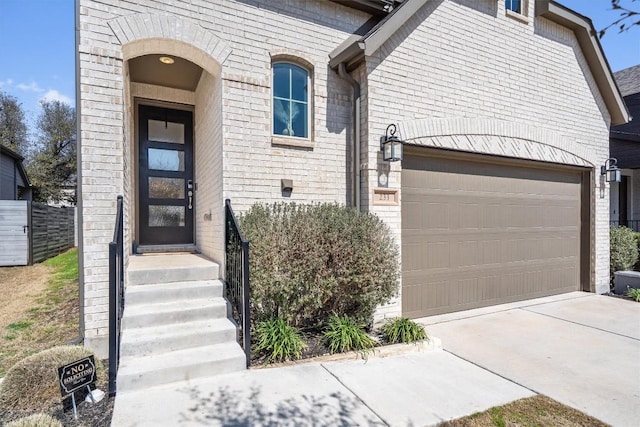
pixel 477 234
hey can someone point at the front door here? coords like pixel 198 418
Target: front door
pixel 165 177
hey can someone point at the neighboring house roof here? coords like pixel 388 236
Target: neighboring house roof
pixel 10 153
pixel 625 139
pixel 628 80
pixel 353 51
pixel 629 131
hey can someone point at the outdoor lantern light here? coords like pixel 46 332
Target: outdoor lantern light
pixel 611 171
pixel 391 145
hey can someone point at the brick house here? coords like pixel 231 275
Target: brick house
pixel 625 148
pixel 504 109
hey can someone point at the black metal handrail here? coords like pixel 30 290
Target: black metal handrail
pixel 633 224
pixel 237 277
pixel 116 296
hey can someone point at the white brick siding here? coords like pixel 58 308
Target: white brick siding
pixel 209 211
pixel 233 41
pixel 455 67
pixel 464 66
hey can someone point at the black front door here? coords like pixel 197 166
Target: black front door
pixel 165 177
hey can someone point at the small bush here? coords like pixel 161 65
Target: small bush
pixel 403 330
pixel 310 261
pixel 32 383
pixel 634 293
pixel 35 420
pixel 624 249
pixel 278 341
pixel 344 334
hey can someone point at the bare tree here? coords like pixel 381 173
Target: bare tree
pixel 628 17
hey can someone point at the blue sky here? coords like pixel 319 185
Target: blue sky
pixel 37 51
pixel 37 45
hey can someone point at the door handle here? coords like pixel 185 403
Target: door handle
pixel 190 194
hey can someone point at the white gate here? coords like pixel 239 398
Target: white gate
pixel 14 232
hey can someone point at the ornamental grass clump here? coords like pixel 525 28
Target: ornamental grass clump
pixel 308 262
pixel 634 294
pixel 403 330
pixel 277 341
pixel 32 383
pixel 345 334
pixel 35 420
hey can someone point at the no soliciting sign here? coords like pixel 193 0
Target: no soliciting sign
pixel 76 375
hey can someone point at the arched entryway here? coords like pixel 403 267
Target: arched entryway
pixel 173 133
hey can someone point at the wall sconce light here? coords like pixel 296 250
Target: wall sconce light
pixel 286 185
pixel 611 172
pixel 391 145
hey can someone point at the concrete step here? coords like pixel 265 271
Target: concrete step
pixel 152 269
pixel 136 373
pixel 157 314
pixel 159 339
pixel 174 291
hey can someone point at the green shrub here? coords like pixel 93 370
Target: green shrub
pixel 403 330
pixel 35 420
pixel 624 249
pixel 32 383
pixel 310 261
pixel 634 293
pixel 344 334
pixel 278 341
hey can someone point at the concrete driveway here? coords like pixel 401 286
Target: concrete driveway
pixel 580 349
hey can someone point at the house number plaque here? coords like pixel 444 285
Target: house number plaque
pixel 385 197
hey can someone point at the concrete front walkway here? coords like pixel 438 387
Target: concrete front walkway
pixel 414 389
pixel 580 349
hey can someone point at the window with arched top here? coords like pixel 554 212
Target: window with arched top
pixel 291 93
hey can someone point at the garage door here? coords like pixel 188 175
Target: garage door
pixel 478 233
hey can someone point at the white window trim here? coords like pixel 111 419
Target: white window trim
pixel 523 15
pixel 294 141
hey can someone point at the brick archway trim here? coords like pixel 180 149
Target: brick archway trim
pixel 497 137
pixel 146 33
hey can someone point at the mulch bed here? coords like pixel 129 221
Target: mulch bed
pixel 315 347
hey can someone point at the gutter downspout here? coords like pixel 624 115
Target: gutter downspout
pixel 356 178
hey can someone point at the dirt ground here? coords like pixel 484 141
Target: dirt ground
pixel 19 288
pixel 42 309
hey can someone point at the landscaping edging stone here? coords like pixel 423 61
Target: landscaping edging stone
pixel 432 344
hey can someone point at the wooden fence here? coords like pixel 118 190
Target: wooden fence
pixel 52 231
pixel 33 232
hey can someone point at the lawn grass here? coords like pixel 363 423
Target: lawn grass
pixel 536 411
pixel 52 318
